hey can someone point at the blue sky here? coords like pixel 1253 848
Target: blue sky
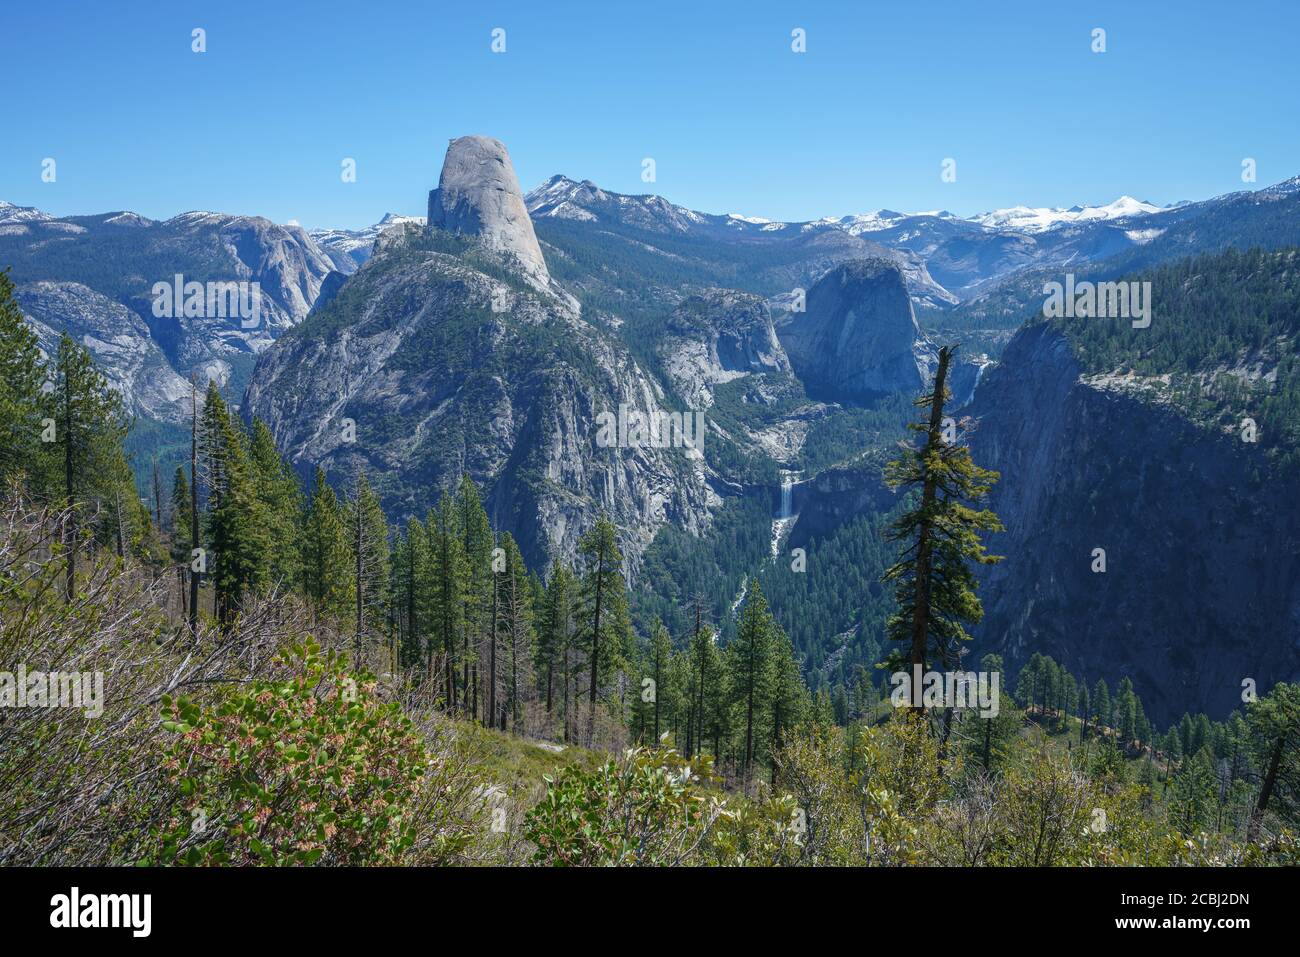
pixel 735 121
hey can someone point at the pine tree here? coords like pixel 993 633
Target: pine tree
pixel 280 494
pixel 236 519
pixel 1101 705
pixel 789 695
pixel 22 404
pixel 749 657
pixel 1126 712
pixel 934 585
pixel 328 569
pixel 477 613
pixel 412 592
pixel 368 543
pixel 179 533
pixel 555 635
pixel 515 630
pixel 661 652
pixel 1274 723
pixel 994 733
pixel 1193 794
pixel 453 606
pixel 89 428
pixel 194 523
pixel 605 626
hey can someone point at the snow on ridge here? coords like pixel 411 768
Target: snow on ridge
pixel 1034 219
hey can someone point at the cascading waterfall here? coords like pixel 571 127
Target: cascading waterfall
pixel 785 517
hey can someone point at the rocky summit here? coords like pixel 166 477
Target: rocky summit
pixel 478 194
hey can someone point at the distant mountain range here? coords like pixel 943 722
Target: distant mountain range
pixel 491 336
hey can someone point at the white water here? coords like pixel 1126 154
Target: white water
pixel 785 518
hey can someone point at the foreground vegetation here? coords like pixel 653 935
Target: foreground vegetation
pixel 288 681
pixel 255 746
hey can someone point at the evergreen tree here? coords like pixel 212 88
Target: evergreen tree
pixel 993 735
pixel 555 628
pixel 1101 705
pixel 934 585
pixel 789 699
pixel 452 600
pixel 604 615
pixel 661 653
pixel 280 495
pixel 1126 711
pixel 180 533
pixel 750 656
pixel 89 427
pixel 236 520
pixel 477 612
pixel 328 569
pixel 1192 802
pixel 705 688
pixel 515 630
pixel 22 404
pixel 1274 723
pixel 411 588
pixel 368 542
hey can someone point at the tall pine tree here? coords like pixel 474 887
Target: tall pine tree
pixel 934 585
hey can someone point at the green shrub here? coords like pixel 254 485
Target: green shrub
pixel 647 809
pixel 304 770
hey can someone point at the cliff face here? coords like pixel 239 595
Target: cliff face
pixel 117 338
pixel 120 257
pixel 715 337
pixel 857 336
pixel 1202 583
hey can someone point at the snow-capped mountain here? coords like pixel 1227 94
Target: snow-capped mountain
pixel 1030 219
pixel 349 248
pixel 946 257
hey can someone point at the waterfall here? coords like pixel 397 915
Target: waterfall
pixel 784 520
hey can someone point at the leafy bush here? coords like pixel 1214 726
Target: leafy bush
pixel 309 769
pixel 644 810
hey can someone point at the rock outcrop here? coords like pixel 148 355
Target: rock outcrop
pixel 478 195
pixel 857 336
pixel 715 337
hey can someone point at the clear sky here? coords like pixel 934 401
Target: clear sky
pixel 734 119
